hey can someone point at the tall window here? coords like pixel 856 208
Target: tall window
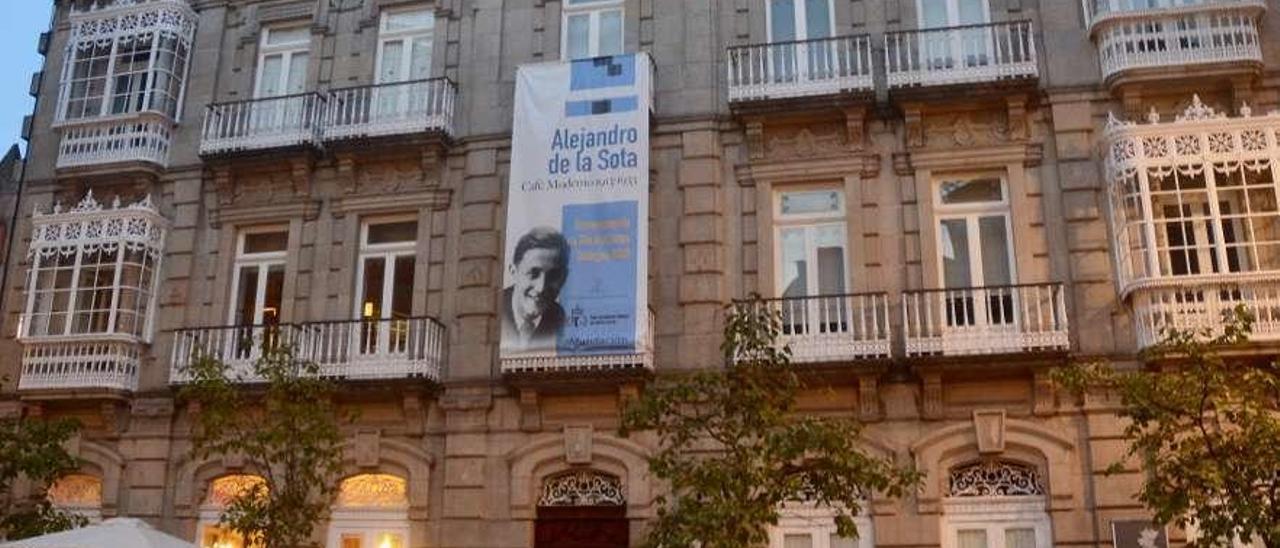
pixel 79 494
pixel 123 62
pixel 967 47
pixel 975 250
pixel 995 504
pixel 282 61
pixel 93 270
pixel 404 45
pixel 591 28
pixel 385 278
pixel 258 287
pixel 812 261
pixel 222 491
pixel 804 526
pixel 795 25
pixel 371 511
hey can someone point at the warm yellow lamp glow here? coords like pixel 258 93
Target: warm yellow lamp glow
pixel 388 540
pixel 368 309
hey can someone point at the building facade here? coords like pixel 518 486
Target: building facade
pixel 944 199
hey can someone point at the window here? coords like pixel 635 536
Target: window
pixel 967 47
pixel 124 63
pixel 404 45
pixel 258 286
pixel 282 61
pixel 371 511
pixel 995 504
pixel 79 494
pixel 796 25
pixel 93 270
pixel 222 491
pixel 811 258
pixel 386 282
pixel 591 28
pixel 804 526
pixel 975 250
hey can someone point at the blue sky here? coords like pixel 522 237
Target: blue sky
pixel 21 22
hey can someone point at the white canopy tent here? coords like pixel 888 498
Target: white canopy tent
pixel 112 533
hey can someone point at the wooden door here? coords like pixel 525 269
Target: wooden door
pixel 582 527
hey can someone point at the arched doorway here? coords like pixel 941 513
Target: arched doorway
pixel 582 509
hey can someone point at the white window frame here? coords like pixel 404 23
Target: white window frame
pixel 368 522
pixel 406 36
pixel 262 261
pixel 810 222
pixel 971 213
pixel 389 252
pixel 801 19
pixel 995 515
pixel 594 9
pixel 819 525
pixel 287 51
pixel 953 13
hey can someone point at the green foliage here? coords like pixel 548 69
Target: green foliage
pixel 1206 431
pixel 34 449
pixel 734 449
pixel 287 432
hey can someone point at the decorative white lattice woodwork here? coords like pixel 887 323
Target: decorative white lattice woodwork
pixel 374 491
pixel 582 488
pixel 224 490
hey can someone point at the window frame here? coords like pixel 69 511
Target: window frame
pixel 388 251
pixel 801 18
pixel 368 522
pixel 407 36
pixel 809 222
pixel 594 9
pixel 262 262
pixel 819 525
pixel 1002 515
pixel 287 51
pixel 953 14
pixel 971 214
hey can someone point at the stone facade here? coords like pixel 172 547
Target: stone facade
pixel 474 446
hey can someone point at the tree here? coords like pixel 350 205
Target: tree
pixel 34 449
pixel 734 449
pixel 1206 429
pixel 287 431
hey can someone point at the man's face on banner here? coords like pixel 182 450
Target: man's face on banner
pixel 538 278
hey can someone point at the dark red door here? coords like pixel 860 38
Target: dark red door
pixel 582 527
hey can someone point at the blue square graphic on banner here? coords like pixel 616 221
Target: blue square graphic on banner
pixel 599 296
pixel 602 72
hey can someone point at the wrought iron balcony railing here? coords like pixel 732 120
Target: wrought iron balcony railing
pixel 641 358
pixel 257 124
pixel 419 106
pixel 985 320
pixel 823 66
pixel 960 55
pixel 834 328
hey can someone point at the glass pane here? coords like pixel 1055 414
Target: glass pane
pixel 972 12
pixel 971 191
pixel 811 202
pixel 794 271
pixel 350 541
pixel 954 238
pixel 274 296
pixel 611 32
pixel 402 291
pixel 972 538
pixel 277 37
pixel 578 36
pixel 817 19
pixel 265 242
pixel 830 252
pixel 1020 538
pixel 371 294
pixel 420 63
pixel 995 251
pixel 838 541
pixel 269 83
pixel 933 14
pixel 297 73
pixel 247 296
pixel 797 541
pixel 782 20
pixel 387 233
pixel 392 58
pixel 407 20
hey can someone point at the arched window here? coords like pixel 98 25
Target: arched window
pixel 809 526
pixel 222 491
pixel 583 505
pixel 371 511
pixel 79 494
pixel 995 504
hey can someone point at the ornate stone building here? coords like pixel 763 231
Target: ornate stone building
pixel 944 198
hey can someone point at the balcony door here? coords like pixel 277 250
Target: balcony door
pixel 797 28
pixel 404 55
pixel 282 71
pixel 959 48
pixel 258 291
pixel 386 283
pixel 975 247
pixel 812 262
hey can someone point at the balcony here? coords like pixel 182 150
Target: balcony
pixel 1194 37
pixel 143 138
pixel 99 363
pixel 970 54
pixel 355 349
pixel 640 359
pixel 834 328
pixel 808 68
pixel 422 106
pixel 1203 306
pixel 261 124
pixel 985 320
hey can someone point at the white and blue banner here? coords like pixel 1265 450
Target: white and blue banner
pixel 577 209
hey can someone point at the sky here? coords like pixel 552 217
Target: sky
pixel 21 22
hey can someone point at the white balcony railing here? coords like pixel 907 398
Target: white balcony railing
pixel 1204 306
pixel 257 124
pixel 641 358
pixel 1212 32
pixel 961 55
pixel 834 328
pixel 375 349
pixel 823 66
pixel 137 139
pixel 400 108
pixel 383 349
pixel 102 364
pixel 985 320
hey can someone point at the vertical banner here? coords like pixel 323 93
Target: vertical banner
pixel 576 253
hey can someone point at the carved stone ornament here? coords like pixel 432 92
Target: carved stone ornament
pixel 373 491
pixel 224 490
pixel 76 491
pixel 967 130
pixel 989 427
pixel 990 478
pixel 807 144
pixel 582 488
pixel 577 444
